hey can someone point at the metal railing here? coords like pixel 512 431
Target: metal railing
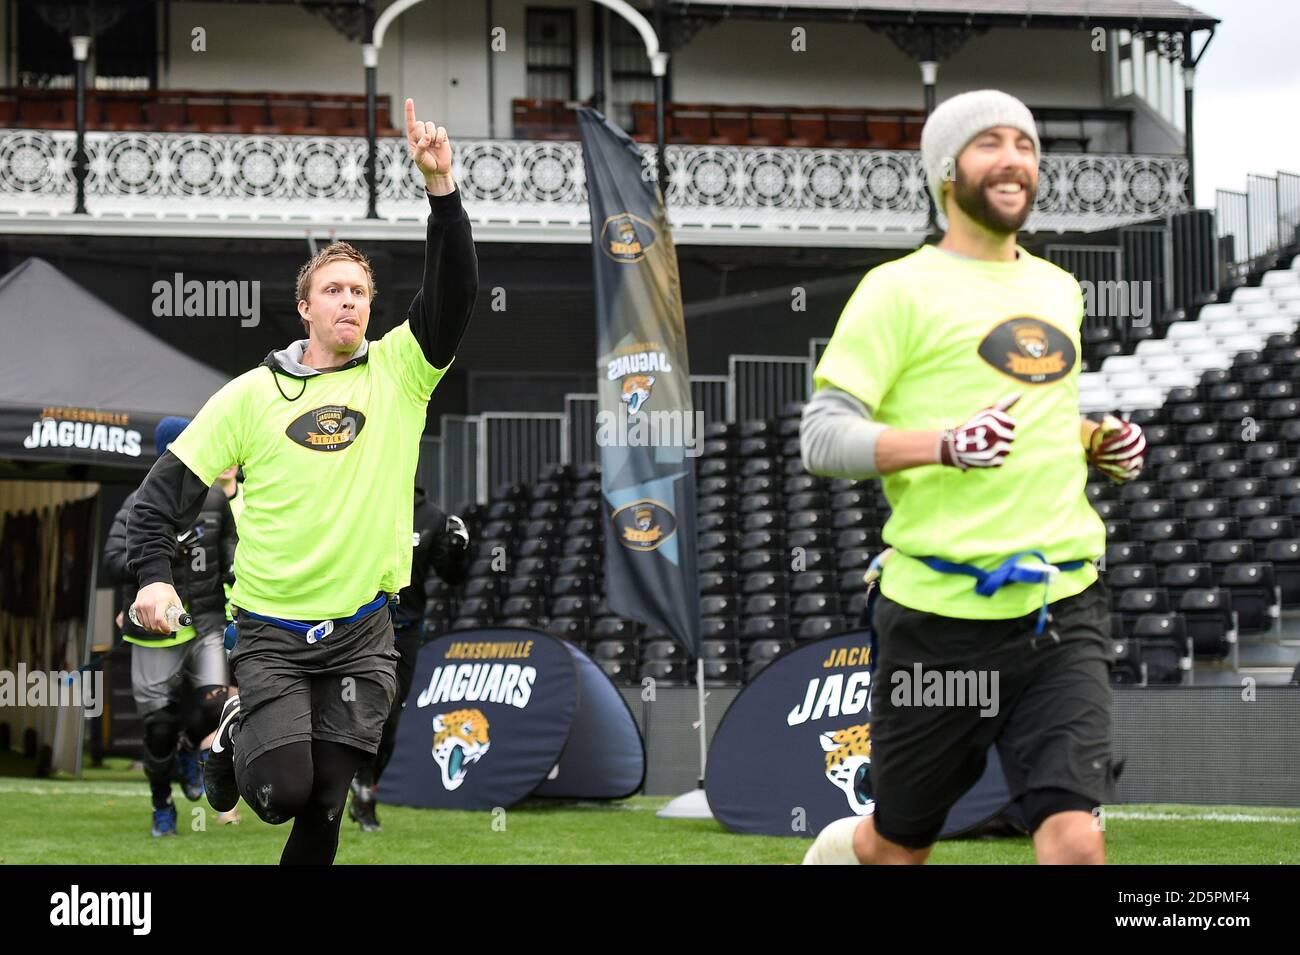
pixel 459 461
pixel 1256 224
pixel 709 394
pixel 186 183
pixel 760 385
pixel 515 446
pixel 580 429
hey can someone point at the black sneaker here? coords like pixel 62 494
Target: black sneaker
pixel 362 807
pixel 219 768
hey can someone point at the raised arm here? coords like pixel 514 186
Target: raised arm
pixel 440 311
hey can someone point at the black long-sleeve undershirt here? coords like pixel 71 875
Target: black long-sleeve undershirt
pixel 441 309
pixel 170 497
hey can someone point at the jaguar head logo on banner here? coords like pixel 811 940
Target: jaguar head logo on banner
pixel 460 739
pixel 636 391
pixel 848 764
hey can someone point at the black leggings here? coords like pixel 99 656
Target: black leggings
pixel 307 782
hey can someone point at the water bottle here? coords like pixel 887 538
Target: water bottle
pixel 176 617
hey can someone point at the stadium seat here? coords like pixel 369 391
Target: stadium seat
pixel 565 585
pixel 716 584
pixel 723 672
pixel 763 605
pixel 1175 552
pixel 534 587
pixel 802 483
pixel 588 565
pixel 619 673
pixel 662 650
pixel 717 521
pixel 719 649
pixel 760 540
pixel 813 538
pixel 613 627
pixel 808 500
pixel 1284 555
pixel 813 628
pixel 763 521
pixel 1269 528
pixel 1205 509
pixel 1226 470
pixel 538 547
pixel 573 629
pixel 719 628
pixel 1209 620
pixel 812 559
pixel 1131 604
pixel 1254 595
pixel 1163 660
pixel 722 562
pixel 1126 668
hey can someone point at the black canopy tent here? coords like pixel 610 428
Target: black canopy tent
pixel 82 388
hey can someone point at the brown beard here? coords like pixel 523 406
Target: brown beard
pixel 972 200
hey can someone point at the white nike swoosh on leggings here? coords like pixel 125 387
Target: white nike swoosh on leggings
pixel 221 728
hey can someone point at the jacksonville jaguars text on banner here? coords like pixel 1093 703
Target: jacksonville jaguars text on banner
pixel 491 712
pixel 646 424
pixel 793 752
pixel 78 435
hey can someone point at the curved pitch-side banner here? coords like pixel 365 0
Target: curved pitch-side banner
pixel 494 714
pixel 793 752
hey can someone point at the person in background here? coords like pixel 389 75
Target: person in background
pixel 179 679
pixel 441 542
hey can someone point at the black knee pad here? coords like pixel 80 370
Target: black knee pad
pixel 1038 804
pixel 278 783
pixel 161 728
pixel 205 711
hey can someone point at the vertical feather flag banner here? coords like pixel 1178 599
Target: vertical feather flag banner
pixel 647 429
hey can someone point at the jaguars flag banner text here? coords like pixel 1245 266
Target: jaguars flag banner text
pixel 645 415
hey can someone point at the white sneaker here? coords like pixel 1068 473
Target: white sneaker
pixel 834 844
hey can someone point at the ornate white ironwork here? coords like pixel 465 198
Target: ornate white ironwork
pixel 716 193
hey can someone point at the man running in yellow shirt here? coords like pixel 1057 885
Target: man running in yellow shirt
pixel 981 506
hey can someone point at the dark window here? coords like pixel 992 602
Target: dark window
pixel 551 56
pixel 630 76
pixel 122 56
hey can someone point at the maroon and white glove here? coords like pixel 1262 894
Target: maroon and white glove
pixel 1116 448
pixel 982 442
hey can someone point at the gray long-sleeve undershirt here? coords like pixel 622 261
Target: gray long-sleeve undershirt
pixel 837 436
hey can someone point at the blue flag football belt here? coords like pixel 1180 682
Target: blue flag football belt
pixel 315 632
pixel 989 582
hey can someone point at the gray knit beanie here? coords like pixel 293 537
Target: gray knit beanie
pixel 959 120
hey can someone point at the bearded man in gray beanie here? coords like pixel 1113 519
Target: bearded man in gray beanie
pixel 917 387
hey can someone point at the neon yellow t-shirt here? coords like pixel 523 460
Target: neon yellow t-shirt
pixel 329 478
pixel 925 342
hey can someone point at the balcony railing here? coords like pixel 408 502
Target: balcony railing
pixel 188 184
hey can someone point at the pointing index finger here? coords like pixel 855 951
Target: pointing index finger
pixel 410 116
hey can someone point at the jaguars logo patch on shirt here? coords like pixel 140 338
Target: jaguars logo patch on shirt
pixel 1028 349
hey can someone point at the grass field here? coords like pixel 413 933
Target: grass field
pixel 104 818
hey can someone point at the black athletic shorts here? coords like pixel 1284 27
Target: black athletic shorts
pixel 338 689
pixel 1051 721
